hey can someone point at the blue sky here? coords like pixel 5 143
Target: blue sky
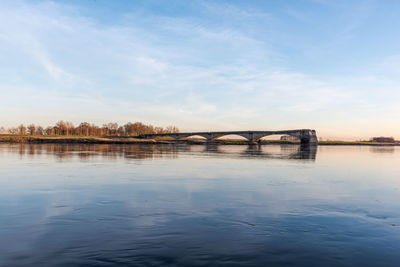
pixel 204 65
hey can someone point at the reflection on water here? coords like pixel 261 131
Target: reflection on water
pixel 83 151
pixel 382 149
pixel 197 205
pixel 65 151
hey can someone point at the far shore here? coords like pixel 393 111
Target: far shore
pixel 35 139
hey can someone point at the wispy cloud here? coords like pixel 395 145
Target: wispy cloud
pixel 200 71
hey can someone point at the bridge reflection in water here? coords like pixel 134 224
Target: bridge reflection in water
pixel 169 151
pixel 300 152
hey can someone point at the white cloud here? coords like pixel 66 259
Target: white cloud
pixel 167 71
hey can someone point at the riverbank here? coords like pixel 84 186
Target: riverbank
pixel 71 140
pixel 355 143
pixel 129 140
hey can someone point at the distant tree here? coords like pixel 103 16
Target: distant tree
pixel 69 128
pixel 172 129
pixel 13 130
pixel 113 128
pixel 59 128
pixel 64 128
pixel 87 129
pixel 159 130
pixel 83 128
pixel 50 131
pixel 31 129
pixel 121 131
pixel 40 130
pixel 2 130
pixel 129 128
pixel 22 129
pixel 94 130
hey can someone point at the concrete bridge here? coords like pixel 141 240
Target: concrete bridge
pixel 306 136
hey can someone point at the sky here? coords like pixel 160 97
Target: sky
pixel 333 66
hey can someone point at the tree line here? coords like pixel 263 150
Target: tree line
pixel 88 129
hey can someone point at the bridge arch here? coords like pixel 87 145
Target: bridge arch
pixel 258 137
pixel 215 137
pixel 191 136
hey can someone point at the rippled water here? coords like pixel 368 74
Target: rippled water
pixel 105 205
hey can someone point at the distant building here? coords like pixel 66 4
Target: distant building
pixel 288 138
pixel 382 139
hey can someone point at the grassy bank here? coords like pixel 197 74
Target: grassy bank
pixel 355 143
pixel 70 139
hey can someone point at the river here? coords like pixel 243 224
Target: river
pixel 198 205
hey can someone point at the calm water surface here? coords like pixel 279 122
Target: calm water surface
pixel 116 205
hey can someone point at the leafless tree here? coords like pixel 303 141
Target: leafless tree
pixel 172 129
pixel 87 129
pixel 31 129
pixel 40 130
pixel 21 129
pixel 13 130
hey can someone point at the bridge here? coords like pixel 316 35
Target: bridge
pixel 306 136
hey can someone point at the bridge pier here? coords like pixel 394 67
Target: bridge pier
pixel 308 137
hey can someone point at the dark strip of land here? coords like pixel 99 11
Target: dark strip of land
pixel 71 139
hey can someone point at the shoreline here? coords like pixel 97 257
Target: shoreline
pixel 131 140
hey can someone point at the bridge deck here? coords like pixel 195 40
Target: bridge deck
pixel 229 132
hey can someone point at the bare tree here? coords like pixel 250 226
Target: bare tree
pixel 31 129
pixel 84 128
pixel 121 131
pixel 50 131
pixel 12 130
pixel 87 129
pixel 21 129
pixel 113 128
pixel 40 130
pixel 69 128
pixel 172 129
